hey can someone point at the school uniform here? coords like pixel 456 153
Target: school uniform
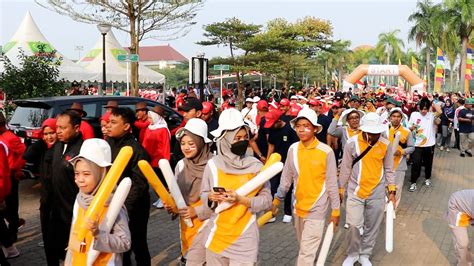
pixel 460 216
pixel 406 146
pixel 313 172
pixel 366 182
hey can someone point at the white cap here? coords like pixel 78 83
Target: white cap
pixel 308 114
pixel 197 127
pixel 346 112
pixel 229 119
pixel 294 97
pixel 398 109
pixel 249 100
pixel 372 123
pixel 95 150
pixel 256 99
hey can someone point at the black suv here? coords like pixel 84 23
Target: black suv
pixel 30 113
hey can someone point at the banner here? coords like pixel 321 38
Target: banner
pixel 414 65
pixel 439 70
pixel 401 83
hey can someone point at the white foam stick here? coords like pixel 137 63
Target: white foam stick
pixel 389 228
pixel 326 244
pixel 396 140
pixel 173 187
pixel 253 184
pixel 113 211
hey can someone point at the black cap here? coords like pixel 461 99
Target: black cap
pixel 191 103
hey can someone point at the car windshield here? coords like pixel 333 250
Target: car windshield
pixel 28 117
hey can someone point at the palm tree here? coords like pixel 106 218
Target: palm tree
pixel 425 31
pixel 389 44
pixel 461 19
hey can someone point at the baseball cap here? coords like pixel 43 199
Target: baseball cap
pixel 191 103
pixel 249 100
pixel 207 107
pixel 314 102
pixel 262 104
pixel 284 102
pixel 271 117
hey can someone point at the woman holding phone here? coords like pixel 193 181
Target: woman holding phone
pixel 232 241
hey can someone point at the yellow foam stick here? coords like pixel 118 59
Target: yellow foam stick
pixel 241 209
pixel 269 214
pixel 106 187
pixel 156 184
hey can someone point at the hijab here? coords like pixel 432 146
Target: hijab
pixel 232 163
pixel 83 199
pixel 189 179
pixel 157 121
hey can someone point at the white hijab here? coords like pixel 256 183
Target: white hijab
pixel 157 121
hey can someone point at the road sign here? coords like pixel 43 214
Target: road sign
pixel 222 67
pixel 128 57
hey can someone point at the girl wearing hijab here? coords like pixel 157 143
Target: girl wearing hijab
pixel 196 150
pixel 156 141
pixel 90 167
pixel 230 241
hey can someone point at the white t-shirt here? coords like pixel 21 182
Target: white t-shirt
pixel 425 132
pixel 456 113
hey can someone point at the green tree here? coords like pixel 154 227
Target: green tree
pixel 141 19
pixel 390 45
pixel 450 45
pixel 232 33
pixel 460 18
pixel 177 76
pixel 36 76
pixel 426 29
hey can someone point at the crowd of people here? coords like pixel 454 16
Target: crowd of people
pixel 341 152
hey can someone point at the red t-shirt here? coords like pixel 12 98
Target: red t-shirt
pixel 87 130
pixel 157 143
pixel 5 182
pixel 142 126
pixel 15 152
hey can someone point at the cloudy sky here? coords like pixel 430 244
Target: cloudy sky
pixel 354 20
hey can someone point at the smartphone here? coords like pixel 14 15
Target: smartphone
pixel 219 189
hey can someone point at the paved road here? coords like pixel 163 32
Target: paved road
pixel 421 233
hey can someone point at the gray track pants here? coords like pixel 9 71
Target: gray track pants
pixel 461 245
pixel 366 214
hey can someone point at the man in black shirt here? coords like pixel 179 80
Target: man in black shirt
pixel 138 199
pixel 280 138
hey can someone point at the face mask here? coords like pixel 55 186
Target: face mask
pixel 240 147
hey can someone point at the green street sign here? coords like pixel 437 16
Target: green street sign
pixel 128 57
pixel 222 67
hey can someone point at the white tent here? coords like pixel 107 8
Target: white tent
pixel 115 70
pixel 29 38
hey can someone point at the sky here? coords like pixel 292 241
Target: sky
pixel 358 21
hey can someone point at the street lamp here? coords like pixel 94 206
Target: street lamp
pixel 104 29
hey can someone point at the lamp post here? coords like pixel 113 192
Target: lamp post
pixel 104 29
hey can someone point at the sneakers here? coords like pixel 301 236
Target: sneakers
pixel 272 220
pixel 469 153
pixel 350 260
pixel 441 148
pixel 364 260
pixel 447 149
pixel 158 204
pixel 287 218
pixel 463 154
pixel 428 182
pixel 412 187
pixel 11 252
pixel 346 225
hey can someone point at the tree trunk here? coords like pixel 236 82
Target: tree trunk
pixel 133 50
pixel 451 73
pixel 428 72
pixel 462 67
